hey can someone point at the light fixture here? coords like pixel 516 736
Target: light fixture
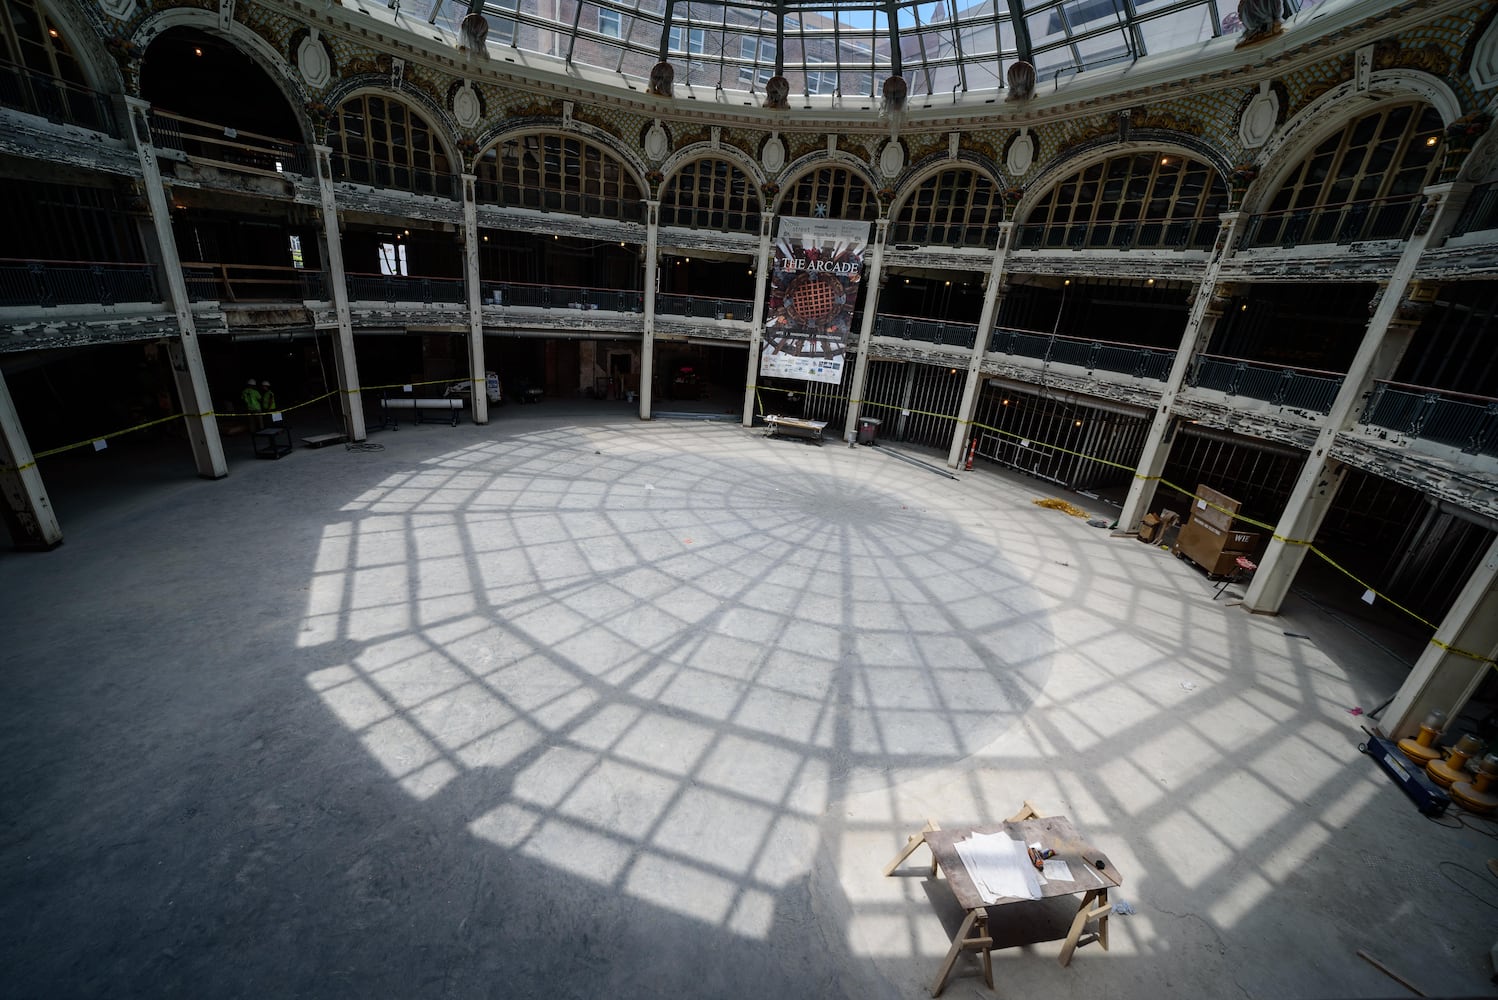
pixel 1066 282
pixel 486 239
pixel 1243 307
pixel 53 33
pixel 689 260
pixel 1005 403
pixel 408 232
pixel 1164 161
pixel 1076 423
pixel 1429 142
pixel 621 243
pixel 952 372
pixel 949 284
pixel 1149 281
pixel 197 51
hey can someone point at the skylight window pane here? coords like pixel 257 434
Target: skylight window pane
pixel 1177 30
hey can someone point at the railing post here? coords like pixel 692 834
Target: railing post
pixel 106 296
pixel 39 282
pixel 1237 379
pixel 1487 431
pixel 1092 355
pixel 1282 391
pixel 426 291
pixel 1428 405
pixel 545 296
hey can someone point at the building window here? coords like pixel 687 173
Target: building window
pixel 501 29
pixel 1386 154
pixel 696 39
pixel 383 143
pixel 554 173
pixel 611 23
pixel 957 207
pixel 762 52
pixel 711 194
pixel 1138 199
pixel 296 251
pixel 831 193
pixel 393 258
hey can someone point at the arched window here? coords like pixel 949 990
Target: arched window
pixel 558 173
pixel 1362 183
pixel 1134 200
pixel 831 192
pixel 957 207
pixel 380 141
pixel 42 76
pixel 711 194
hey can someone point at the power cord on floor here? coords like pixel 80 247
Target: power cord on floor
pixel 1445 864
pixel 1462 823
pixel 363 446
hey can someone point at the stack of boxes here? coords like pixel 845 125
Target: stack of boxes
pixel 1208 538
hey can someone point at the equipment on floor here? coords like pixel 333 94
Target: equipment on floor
pixel 1429 799
pixel 1454 768
pixel 1419 748
pixel 1474 795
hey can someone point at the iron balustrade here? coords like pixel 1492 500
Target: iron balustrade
pixel 382 174
pixel 1480 212
pixel 526 295
pixel 1282 385
pixel 1379 219
pixel 1178 234
pixel 1457 419
pixel 66 282
pixel 702 307
pixel 1093 355
pixel 927 331
pixel 208 282
pixel 55 100
pixel 220 144
pixel 405 288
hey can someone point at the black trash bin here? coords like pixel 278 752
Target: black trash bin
pixel 868 430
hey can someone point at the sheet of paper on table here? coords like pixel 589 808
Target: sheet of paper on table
pixel 999 867
pixel 1057 869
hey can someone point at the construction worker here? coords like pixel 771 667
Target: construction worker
pixel 267 398
pixel 250 396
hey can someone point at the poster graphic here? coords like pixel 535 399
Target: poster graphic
pixel 814 284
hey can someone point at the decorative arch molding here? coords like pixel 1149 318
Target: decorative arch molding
pixel 85 28
pixel 1332 112
pixel 804 165
pixel 707 151
pixel 413 97
pixel 282 73
pixel 1082 157
pixel 576 130
pixel 937 163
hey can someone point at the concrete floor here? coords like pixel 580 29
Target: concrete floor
pixel 572 705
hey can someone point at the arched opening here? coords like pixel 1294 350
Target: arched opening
pixel 1360 183
pixel 558 173
pixel 40 73
pixel 380 141
pixel 831 192
pixel 210 99
pixel 958 206
pixel 1145 199
pixel 711 194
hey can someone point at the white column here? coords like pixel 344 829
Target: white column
pixel 1452 666
pixel 1199 324
pixel 866 328
pixel 27 511
pixel 756 317
pixel 187 360
pixel 344 361
pixel 991 300
pixel 1310 498
pixel 475 301
pixel 652 278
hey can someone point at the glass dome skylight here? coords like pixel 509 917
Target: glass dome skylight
pixel 831 49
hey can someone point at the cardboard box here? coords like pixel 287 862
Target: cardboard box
pixel 1149 528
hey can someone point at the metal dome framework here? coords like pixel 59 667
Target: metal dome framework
pixel 846 49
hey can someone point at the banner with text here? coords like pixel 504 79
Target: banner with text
pixel 814 284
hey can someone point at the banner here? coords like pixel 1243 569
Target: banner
pixel 818 268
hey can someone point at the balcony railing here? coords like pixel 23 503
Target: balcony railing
pixel 1094 355
pixel 252 283
pixel 927 331
pixel 67 282
pixel 405 288
pixel 1480 212
pixel 216 143
pixel 525 295
pixel 53 99
pixel 1379 219
pixel 1282 385
pixel 1452 418
pixel 380 174
pixel 702 307
pixel 1180 234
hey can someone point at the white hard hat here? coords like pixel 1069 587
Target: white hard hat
pixel 253 382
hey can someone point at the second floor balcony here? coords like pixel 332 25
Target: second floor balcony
pixel 1282 385
pixel 53 99
pixel 221 146
pixel 1459 420
pixel 1121 234
pixel 1151 363
pixel 49 283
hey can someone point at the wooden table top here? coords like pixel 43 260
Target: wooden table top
pixel 1054 833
